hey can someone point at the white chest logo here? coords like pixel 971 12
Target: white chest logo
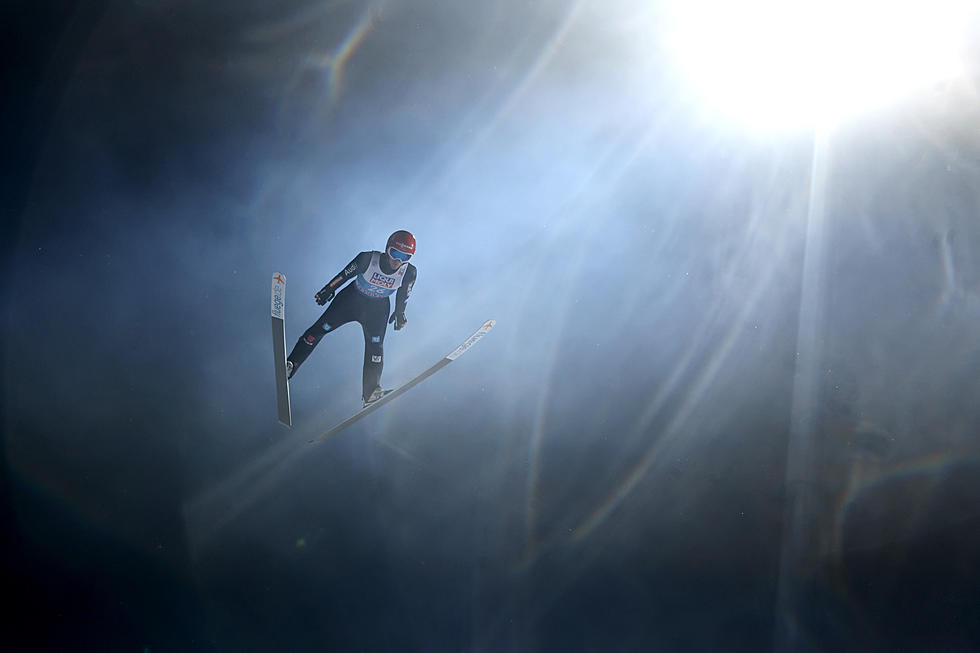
pixel 384 280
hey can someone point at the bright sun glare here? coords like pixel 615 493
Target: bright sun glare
pixel 789 63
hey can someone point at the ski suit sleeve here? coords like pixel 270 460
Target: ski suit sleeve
pixel 401 297
pixel 359 264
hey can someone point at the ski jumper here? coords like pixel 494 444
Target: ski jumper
pixel 365 301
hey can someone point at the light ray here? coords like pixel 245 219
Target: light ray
pixel 799 456
pixel 692 402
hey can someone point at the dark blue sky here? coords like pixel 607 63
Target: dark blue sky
pixel 729 404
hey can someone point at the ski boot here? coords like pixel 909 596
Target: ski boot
pixel 377 394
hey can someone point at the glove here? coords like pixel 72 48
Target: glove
pixel 399 319
pixel 324 296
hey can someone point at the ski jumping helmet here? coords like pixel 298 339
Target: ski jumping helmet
pixel 401 245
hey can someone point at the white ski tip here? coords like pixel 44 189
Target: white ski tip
pixel 472 340
pixel 278 295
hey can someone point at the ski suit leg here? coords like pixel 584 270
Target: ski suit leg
pixel 374 323
pixel 342 309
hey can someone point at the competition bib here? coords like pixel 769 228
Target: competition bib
pixel 375 283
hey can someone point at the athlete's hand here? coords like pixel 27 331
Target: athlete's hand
pixel 399 319
pixel 324 296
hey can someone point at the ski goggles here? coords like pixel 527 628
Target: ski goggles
pixel 398 254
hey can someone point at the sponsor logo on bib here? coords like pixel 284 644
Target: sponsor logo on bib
pixel 384 281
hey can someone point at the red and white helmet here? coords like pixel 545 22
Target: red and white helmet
pixel 401 245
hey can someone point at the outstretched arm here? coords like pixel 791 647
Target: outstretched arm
pixel 401 297
pixel 355 267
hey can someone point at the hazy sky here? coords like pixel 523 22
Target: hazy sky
pixel 730 402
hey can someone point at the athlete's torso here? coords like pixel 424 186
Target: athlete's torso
pixel 375 282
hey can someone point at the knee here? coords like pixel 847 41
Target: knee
pixel 311 337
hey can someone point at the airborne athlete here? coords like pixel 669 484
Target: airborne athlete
pixel 377 275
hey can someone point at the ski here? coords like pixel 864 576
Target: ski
pixel 391 394
pixel 279 346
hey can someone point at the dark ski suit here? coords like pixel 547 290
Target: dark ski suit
pixel 365 302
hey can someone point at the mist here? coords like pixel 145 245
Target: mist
pixel 729 403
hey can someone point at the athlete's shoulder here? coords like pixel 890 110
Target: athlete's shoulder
pixel 411 272
pixel 358 264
